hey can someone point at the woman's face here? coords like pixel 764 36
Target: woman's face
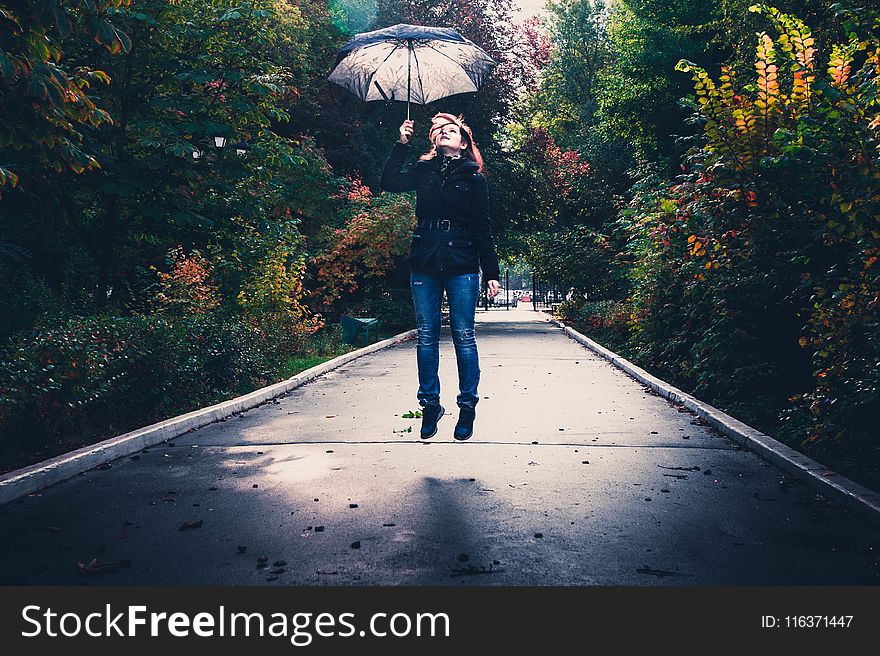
pixel 447 138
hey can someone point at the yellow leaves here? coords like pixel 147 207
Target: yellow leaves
pixel 804 342
pixel 840 63
pixel 696 246
pixel 768 76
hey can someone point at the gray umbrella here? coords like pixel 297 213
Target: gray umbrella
pixel 421 64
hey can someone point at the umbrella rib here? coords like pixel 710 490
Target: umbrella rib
pixel 419 78
pixel 376 70
pixel 444 54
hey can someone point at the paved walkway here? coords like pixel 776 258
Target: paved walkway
pixel 576 475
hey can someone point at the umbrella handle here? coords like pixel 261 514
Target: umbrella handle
pixel 408 73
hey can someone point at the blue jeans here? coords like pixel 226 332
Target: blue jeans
pixel 462 291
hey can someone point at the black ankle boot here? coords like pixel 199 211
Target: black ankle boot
pixel 430 416
pixel 465 426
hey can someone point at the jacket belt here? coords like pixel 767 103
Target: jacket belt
pixel 445 225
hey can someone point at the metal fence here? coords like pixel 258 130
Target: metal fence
pixel 542 295
pixel 545 294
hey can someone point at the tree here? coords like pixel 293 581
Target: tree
pixel 45 100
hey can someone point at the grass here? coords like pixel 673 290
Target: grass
pixel 297 365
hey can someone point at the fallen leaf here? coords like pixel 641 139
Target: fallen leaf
pixel 188 525
pixel 94 567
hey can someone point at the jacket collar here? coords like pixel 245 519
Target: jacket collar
pixel 465 167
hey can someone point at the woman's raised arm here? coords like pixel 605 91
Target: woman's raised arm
pixel 393 177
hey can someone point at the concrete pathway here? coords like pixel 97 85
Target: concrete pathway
pixel 576 475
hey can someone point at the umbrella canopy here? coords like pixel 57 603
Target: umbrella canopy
pixel 412 63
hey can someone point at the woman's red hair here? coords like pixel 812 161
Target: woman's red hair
pixel 471 152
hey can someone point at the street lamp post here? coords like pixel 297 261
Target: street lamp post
pixel 220 142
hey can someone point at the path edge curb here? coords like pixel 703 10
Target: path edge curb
pixel 27 480
pixel 838 488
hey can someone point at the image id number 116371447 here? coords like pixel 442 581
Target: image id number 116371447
pixel 806 621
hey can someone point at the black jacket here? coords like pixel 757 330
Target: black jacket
pixel 462 198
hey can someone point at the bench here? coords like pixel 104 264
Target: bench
pixel 354 327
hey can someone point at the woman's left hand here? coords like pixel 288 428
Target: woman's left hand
pixel 494 288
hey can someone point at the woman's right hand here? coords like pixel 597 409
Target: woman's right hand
pixel 406 130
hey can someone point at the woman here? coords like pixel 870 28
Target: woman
pixel 451 242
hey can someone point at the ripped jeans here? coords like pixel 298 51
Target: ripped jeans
pixel 462 291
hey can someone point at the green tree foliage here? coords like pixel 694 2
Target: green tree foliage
pixel 209 252
pixel 564 173
pixel 44 99
pixel 195 70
